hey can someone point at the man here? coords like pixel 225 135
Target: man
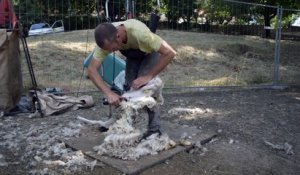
pixel 8 18
pixel 146 56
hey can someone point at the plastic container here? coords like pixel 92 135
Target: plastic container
pixel 112 70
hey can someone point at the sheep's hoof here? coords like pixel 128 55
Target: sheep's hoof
pixel 149 133
pixel 103 129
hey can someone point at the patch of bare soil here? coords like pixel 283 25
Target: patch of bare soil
pixel 258 134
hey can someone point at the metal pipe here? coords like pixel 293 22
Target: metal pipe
pixel 31 72
pixel 106 9
pixel 133 8
pixel 248 3
pixel 277 46
pixel 127 8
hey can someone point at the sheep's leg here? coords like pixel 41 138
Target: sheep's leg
pixel 98 122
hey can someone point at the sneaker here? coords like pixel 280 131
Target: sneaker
pixel 103 129
pixel 149 133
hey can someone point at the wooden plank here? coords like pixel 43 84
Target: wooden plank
pixel 91 137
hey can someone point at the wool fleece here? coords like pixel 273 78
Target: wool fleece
pixel 123 139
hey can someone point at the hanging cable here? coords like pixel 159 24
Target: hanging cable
pixel 85 53
pixel 98 22
pixel 86 45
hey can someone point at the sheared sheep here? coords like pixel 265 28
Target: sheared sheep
pixel 152 89
pixel 123 138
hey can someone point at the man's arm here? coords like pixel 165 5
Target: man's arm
pixel 93 74
pixel 167 53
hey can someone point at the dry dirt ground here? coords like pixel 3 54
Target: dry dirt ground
pixel 248 121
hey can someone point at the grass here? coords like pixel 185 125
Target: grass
pixel 202 60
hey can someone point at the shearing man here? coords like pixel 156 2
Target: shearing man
pixel 147 54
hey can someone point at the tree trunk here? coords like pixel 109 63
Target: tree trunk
pixel 267 22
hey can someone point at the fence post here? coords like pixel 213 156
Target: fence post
pixel 277 46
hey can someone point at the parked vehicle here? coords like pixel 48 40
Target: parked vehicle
pixel 45 28
pixel 296 23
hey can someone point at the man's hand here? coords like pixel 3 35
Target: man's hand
pixel 140 81
pixel 167 53
pixel 114 99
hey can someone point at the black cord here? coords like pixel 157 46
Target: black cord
pixel 113 74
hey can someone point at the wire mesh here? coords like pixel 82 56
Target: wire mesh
pixel 289 71
pixel 224 43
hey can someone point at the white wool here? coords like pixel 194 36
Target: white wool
pixel 98 122
pixel 2 161
pixel 38 145
pixel 180 110
pixel 122 138
pixel 54 162
pixel 152 89
pixel 137 99
pixel 70 132
pixel 59 149
pixel 284 147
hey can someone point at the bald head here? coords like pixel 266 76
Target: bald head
pixel 105 31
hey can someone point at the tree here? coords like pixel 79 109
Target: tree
pixel 221 11
pixel 33 11
pixel 270 13
pixel 179 12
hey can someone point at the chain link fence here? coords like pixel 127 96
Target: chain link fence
pixel 289 52
pixel 229 44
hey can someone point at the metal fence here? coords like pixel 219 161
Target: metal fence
pixel 288 52
pixel 231 45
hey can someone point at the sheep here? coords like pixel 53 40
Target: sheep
pixel 123 138
pixel 153 88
